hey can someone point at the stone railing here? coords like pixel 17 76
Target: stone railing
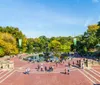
pixel 4 64
pixel 91 63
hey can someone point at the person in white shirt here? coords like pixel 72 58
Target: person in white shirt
pixel 41 67
pixel 27 71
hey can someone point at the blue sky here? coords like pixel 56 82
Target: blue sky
pixel 49 17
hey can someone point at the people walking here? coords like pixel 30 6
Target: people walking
pixel 42 68
pixel 28 70
pixel 65 69
pixel 45 68
pixel 68 70
pixel 56 64
pixel 69 64
pixel 82 65
pixel 73 63
pixel 77 62
pixel 38 67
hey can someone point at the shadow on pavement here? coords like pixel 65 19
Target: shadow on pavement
pixel 62 72
pixel 75 66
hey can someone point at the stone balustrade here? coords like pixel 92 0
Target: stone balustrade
pixel 5 64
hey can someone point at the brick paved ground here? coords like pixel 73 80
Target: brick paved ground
pixel 76 77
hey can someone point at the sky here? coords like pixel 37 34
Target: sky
pixel 49 17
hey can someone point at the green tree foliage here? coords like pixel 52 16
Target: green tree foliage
pixel 17 34
pixel 93 28
pixel 44 44
pixel 92 36
pixel 1 52
pixel 88 41
pixel 98 35
pixel 37 45
pixel 43 41
pixel 7 44
pixel 55 45
pixel 9 37
pixel 30 44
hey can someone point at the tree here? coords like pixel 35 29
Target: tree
pixel 98 35
pixel 37 45
pixel 65 48
pixel 1 52
pixel 43 41
pixel 30 44
pixel 93 28
pixel 17 34
pixel 7 44
pixel 55 47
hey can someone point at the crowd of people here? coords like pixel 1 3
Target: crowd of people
pixel 43 67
